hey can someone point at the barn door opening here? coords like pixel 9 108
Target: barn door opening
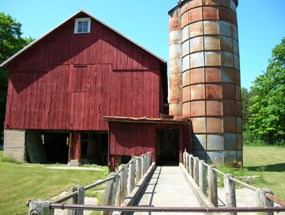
pixel 94 148
pixel 56 146
pixel 167 147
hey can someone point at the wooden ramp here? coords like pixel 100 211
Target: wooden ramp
pixel 167 188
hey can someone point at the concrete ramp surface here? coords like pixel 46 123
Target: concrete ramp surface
pixel 167 188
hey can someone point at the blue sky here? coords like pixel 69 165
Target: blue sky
pixel 261 24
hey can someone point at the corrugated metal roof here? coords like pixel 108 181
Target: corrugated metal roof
pixel 146 120
pixel 88 14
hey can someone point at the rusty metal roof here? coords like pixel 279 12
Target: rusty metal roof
pixel 146 120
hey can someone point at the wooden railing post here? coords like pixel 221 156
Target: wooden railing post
pixel 263 201
pixel 72 201
pixel 120 197
pixel 190 165
pixel 131 176
pixel 213 186
pixel 124 181
pixel 230 189
pixel 196 170
pixel 141 162
pixel 202 176
pixel 186 161
pixel 144 163
pixel 80 199
pixel 138 170
pixel 111 191
pixel 149 159
pixel 40 207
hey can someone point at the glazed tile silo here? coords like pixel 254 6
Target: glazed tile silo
pixel 210 70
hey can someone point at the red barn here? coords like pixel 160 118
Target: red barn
pixel 61 86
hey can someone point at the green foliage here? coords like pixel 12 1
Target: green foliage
pixel 250 139
pixel 11 41
pixel 245 103
pixel 267 108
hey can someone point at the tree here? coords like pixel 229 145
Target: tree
pixel 11 41
pixel 267 111
pixel 245 103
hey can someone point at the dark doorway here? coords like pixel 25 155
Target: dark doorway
pixel 56 146
pixel 94 148
pixel 167 147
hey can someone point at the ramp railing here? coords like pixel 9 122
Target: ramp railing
pixel 205 177
pixel 119 187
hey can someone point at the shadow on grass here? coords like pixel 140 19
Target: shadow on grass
pixel 279 167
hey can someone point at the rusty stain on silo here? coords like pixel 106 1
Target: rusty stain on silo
pixel 204 65
pixel 175 75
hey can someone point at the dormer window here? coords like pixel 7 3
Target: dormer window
pixel 82 25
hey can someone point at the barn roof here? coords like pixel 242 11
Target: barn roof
pixel 5 63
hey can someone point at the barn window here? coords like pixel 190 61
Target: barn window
pixel 82 25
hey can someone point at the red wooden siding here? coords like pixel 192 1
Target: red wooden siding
pixel 135 139
pixel 68 81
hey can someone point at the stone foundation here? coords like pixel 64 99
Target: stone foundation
pixel 14 144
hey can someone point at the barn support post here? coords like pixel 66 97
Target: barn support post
pixel 202 176
pixel 213 185
pixel 40 207
pixel 111 192
pixel 230 189
pixel 196 170
pixel 263 201
pixel 74 149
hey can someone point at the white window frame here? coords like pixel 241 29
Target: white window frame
pixel 82 20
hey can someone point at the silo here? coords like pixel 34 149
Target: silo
pixel 210 71
pixel 175 72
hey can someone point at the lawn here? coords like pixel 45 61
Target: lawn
pixel 21 182
pixel 269 163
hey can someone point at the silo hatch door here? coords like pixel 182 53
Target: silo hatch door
pixel 167 147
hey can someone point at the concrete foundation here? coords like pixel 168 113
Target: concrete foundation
pixel 74 163
pixel 14 144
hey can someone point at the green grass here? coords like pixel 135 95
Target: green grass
pixel 267 162
pixel 21 182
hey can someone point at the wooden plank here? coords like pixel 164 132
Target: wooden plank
pixel 41 99
pixel 53 111
pixel 8 104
